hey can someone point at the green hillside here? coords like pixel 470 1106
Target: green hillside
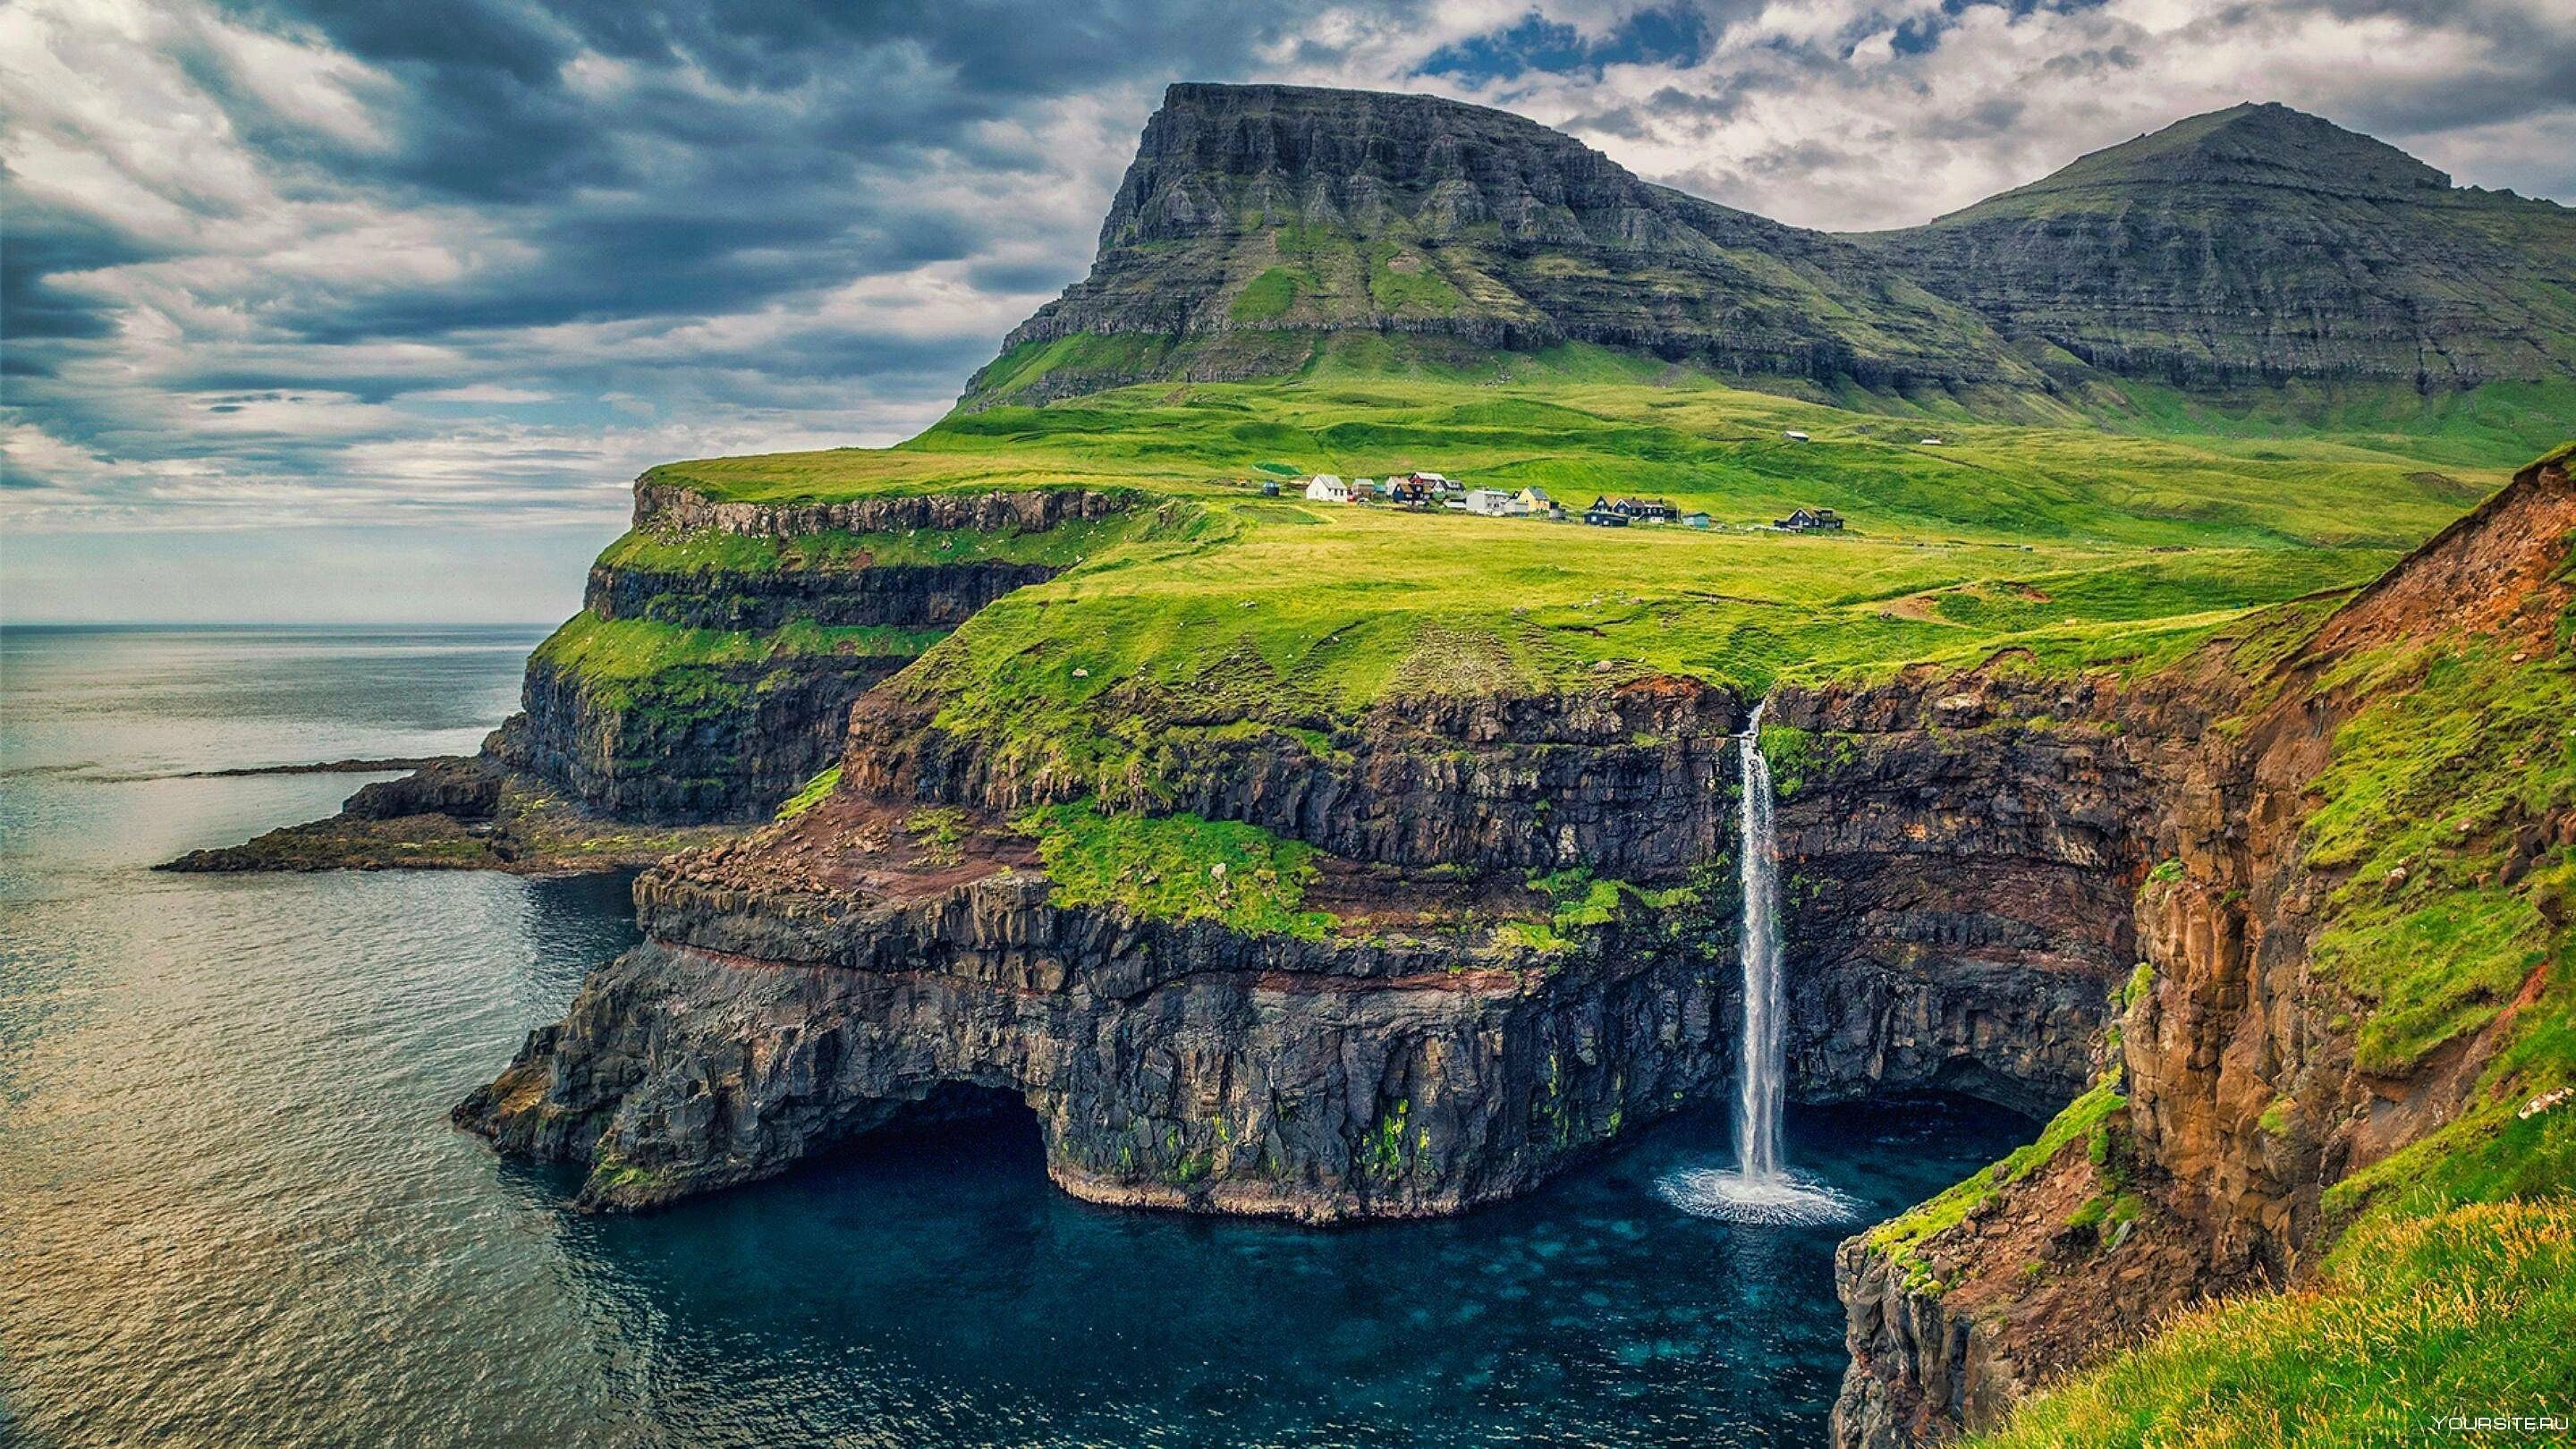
pixel 2253 271
pixel 2075 546
pixel 1259 227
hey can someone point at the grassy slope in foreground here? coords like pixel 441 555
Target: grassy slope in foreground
pixel 2451 1292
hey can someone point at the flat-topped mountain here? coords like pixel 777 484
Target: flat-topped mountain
pixel 1264 229
pixel 1258 224
pixel 2262 245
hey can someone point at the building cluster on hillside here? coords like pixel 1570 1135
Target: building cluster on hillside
pixel 1428 491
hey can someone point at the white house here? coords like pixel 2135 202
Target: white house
pixel 1327 488
pixel 1492 502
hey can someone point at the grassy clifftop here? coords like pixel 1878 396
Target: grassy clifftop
pixel 2080 547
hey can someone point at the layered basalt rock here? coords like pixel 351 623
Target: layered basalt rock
pixel 727 740
pixel 672 508
pixel 904 596
pixel 814 982
pixel 1956 882
pixel 821 982
pixel 1630 781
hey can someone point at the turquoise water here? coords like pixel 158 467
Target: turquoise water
pixel 232 1210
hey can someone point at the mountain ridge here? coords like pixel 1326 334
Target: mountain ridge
pixel 2261 246
pixel 1266 230
pixel 1257 221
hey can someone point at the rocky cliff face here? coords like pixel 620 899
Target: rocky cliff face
pixel 1423 1053
pixel 2240 1096
pixel 1257 220
pixel 840 975
pixel 1957 880
pixel 669 508
pixel 705 743
pixel 2258 245
pixel 731 721
pixel 908 596
pixel 1629 782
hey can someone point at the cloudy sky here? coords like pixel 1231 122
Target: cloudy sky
pixel 371 309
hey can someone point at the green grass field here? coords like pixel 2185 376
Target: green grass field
pixel 2080 547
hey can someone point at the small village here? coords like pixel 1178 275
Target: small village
pixel 1433 492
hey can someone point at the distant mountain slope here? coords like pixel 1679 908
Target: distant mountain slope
pixel 2262 245
pixel 2253 254
pixel 1258 223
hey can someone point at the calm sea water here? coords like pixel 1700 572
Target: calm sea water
pixel 232 1210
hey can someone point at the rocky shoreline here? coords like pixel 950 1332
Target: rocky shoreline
pixel 460 812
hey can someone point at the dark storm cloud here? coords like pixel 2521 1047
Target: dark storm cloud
pixel 609 166
pixel 33 311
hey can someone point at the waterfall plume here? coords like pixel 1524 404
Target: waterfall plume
pixel 1761 1189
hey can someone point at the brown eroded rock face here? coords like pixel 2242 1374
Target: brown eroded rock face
pixel 2244 1099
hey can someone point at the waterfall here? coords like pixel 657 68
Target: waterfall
pixel 1764 1054
pixel 1761 1189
